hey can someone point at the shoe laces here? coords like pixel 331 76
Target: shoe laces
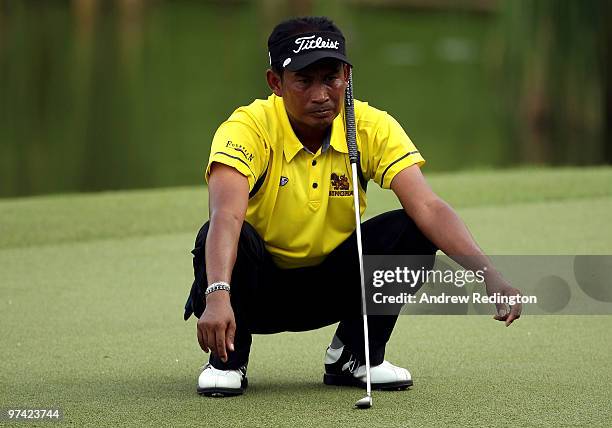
pixel 353 363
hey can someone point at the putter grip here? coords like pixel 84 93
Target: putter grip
pixel 349 111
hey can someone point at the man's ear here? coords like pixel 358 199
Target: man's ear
pixel 274 82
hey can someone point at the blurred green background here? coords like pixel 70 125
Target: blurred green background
pixel 115 94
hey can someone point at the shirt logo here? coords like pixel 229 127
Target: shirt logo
pixel 240 148
pixel 309 42
pixel 340 185
pixel 283 180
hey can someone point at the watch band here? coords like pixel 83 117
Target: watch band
pixel 216 286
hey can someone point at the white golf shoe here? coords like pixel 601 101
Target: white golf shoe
pixel 213 382
pixel 343 368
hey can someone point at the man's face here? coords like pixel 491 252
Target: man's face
pixel 313 96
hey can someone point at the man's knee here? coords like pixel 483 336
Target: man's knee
pixel 251 252
pixel 395 233
pixel 249 241
pixel 418 242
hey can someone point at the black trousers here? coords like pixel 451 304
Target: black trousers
pixel 267 299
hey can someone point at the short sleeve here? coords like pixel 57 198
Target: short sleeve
pixel 236 144
pixel 392 151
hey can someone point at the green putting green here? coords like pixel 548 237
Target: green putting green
pixel 92 287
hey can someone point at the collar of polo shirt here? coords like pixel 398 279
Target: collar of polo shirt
pixel 292 145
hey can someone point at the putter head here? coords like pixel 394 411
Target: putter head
pixel 364 403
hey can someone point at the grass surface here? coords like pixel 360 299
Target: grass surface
pixel 92 286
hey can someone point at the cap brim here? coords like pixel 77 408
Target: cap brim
pixel 303 61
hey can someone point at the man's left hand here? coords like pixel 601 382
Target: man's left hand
pixel 505 313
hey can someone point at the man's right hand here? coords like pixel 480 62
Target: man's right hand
pixel 217 325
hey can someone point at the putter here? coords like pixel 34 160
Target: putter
pixel 351 141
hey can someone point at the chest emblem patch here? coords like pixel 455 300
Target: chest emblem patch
pixel 340 185
pixel 283 180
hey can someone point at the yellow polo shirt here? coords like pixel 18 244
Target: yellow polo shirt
pixel 301 203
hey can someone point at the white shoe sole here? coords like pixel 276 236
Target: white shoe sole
pixel 223 392
pixel 344 380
